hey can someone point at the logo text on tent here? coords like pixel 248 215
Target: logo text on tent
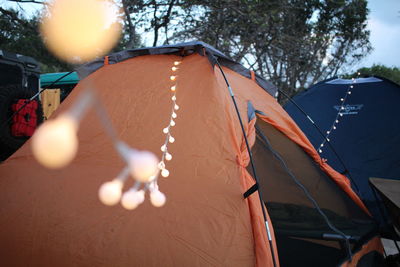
pixel 350 109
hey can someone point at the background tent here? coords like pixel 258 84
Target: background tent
pixel 367 137
pixel 53 218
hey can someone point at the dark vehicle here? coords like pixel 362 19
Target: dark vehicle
pixel 19 113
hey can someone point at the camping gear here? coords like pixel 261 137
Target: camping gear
pixel 366 142
pixel 312 216
pixel 25 120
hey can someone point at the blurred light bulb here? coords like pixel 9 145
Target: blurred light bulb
pixel 164 173
pixel 327 139
pixel 173 98
pixel 165 130
pixel 163 148
pixel 168 156
pixel 337 121
pixel 91 27
pixel 174 115
pixel 132 198
pixel 157 198
pixel 334 127
pixel 143 166
pixel 328 132
pixel 351 86
pixel 358 73
pixel 341 114
pixel 342 99
pixel 322 145
pixel 349 92
pixel 172 123
pixel 320 150
pixel 171 139
pixel 110 192
pixel 55 143
pixel 176 63
pixel 173 78
pixel 173 88
pixel 174 68
pixel 176 107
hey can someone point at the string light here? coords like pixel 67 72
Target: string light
pixel 339 114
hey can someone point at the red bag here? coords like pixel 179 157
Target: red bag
pixel 25 121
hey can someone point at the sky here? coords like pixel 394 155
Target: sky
pixel 383 22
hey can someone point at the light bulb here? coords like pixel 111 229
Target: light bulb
pixel 172 123
pixel 91 27
pixel 110 192
pixel 322 145
pixel 168 156
pixel 174 68
pixel 337 121
pixel 143 166
pixel 165 130
pixel 174 115
pixel 342 99
pixel 320 151
pixel 349 92
pixel 55 143
pixel 328 132
pixel 173 78
pixel 358 73
pixel 132 198
pixel 351 86
pixel 334 127
pixel 157 198
pixel 176 107
pixel 164 173
pixel 342 108
pixel 327 139
pixel 171 139
pixel 173 98
pixel 173 88
pixel 176 63
pixel 341 114
pixel 163 148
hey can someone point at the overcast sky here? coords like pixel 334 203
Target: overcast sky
pixel 383 22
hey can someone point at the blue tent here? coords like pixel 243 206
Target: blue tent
pixel 366 140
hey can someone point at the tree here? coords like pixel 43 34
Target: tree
pixel 392 74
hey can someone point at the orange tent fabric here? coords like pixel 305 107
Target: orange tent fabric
pixel 54 218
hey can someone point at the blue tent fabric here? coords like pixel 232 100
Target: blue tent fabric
pixel 367 137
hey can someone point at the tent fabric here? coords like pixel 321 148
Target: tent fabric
pixel 182 49
pixel 54 218
pixel 366 138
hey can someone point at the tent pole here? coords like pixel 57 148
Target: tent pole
pixel 251 162
pixel 324 137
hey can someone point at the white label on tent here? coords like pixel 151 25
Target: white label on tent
pixel 350 109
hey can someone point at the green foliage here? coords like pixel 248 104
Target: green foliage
pixel 392 74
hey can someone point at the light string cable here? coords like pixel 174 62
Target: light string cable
pixel 251 161
pixel 339 114
pixel 322 135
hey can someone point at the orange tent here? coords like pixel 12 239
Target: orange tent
pixel 54 218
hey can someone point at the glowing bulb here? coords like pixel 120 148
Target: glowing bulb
pixel 163 148
pixel 165 130
pixel 171 139
pixel 173 78
pixel 157 198
pixel 174 68
pixel 132 198
pixel 176 107
pixel 164 173
pixel 342 108
pixel 342 99
pixel 334 127
pixel 173 98
pixel 327 139
pixel 322 145
pixel 349 92
pixel 110 192
pixel 320 151
pixel 337 121
pixel 173 88
pixel 91 27
pixel 143 166
pixel 168 156
pixel 358 73
pixel 55 143
pixel 172 123
pixel 174 115
pixel 328 132
pixel 176 63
